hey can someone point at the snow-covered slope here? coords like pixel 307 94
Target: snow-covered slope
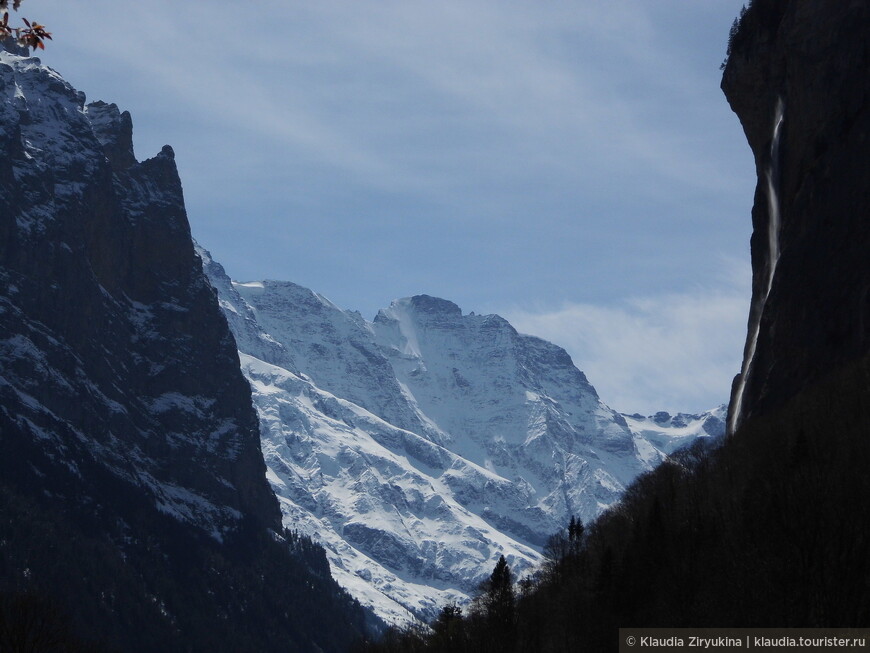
pixel 669 432
pixel 422 445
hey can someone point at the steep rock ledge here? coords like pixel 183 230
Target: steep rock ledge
pixel 109 327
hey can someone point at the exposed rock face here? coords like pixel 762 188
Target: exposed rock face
pixel 112 341
pixel 813 56
pixel 132 482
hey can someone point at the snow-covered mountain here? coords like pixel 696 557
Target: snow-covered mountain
pixel 419 447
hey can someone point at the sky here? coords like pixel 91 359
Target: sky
pixel 571 166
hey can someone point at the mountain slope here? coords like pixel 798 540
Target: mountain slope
pixel 421 446
pixel 126 427
pixel 769 530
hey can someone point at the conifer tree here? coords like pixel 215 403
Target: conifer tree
pixel 499 605
pixel 448 633
pixel 575 535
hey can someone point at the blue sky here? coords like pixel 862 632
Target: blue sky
pixel 572 166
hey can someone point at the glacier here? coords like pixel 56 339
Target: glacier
pixel 420 446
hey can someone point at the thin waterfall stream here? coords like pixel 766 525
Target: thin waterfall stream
pixel 773 226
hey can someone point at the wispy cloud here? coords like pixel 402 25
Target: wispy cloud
pixel 331 142
pixel 676 352
pixel 467 84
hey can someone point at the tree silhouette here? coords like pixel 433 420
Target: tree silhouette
pixel 498 605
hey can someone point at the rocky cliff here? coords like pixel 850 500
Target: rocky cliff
pixel 810 58
pixel 112 341
pixel 126 427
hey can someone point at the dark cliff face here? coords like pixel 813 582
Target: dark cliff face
pixel 132 483
pixel 113 344
pixel 813 55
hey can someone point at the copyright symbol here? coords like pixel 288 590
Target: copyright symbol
pixel 631 641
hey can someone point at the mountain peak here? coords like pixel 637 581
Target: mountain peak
pixel 433 305
pixel 420 447
pixel 114 130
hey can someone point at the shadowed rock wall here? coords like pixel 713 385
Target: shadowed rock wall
pixel 814 55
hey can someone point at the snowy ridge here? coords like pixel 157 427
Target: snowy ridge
pixel 668 433
pixel 419 447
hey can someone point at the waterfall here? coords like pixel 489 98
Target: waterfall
pixel 773 223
